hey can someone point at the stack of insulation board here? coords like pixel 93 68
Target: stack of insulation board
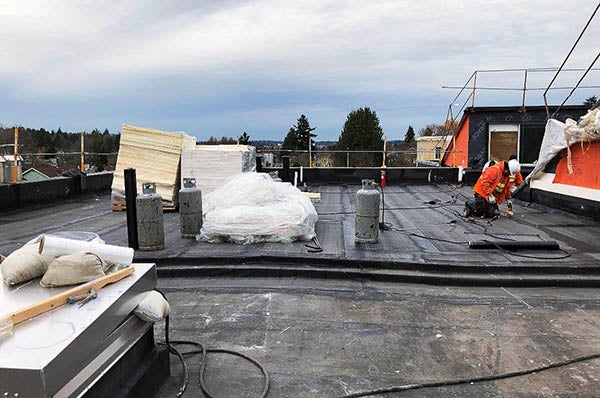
pixel 211 165
pixel 155 155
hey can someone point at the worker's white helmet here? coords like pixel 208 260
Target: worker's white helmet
pixel 513 166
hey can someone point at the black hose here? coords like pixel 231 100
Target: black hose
pixel 470 380
pixel 204 351
pixel 185 379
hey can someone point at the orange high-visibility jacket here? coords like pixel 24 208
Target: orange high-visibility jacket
pixel 492 182
pixel 515 180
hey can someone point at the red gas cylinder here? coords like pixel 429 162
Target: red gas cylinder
pixel 383 181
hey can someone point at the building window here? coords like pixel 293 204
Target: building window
pixel 504 141
pixel 438 153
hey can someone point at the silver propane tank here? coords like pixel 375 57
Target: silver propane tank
pixel 151 230
pixel 366 228
pixel 190 208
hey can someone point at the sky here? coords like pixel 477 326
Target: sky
pixel 218 68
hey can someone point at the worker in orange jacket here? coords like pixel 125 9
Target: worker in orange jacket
pixel 491 189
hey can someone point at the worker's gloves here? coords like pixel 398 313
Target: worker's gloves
pixel 492 199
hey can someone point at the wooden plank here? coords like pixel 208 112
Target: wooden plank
pixel 123 208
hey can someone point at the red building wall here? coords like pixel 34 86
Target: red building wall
pixel 460 144
pixel 586 166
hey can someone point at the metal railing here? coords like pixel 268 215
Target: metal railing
pixel 325 158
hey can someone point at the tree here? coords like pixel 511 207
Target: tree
pixel 447 128
pixel 590 102
pixel 428 130
pixel 290 141
pixel 409 137
pixel 244 139
pixel 362 132
pixel 299 135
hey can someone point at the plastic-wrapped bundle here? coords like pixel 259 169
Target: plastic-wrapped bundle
pixel 252 208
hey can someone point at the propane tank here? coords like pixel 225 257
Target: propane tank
pixel 366 229
pixel 151 230
pixel 190 208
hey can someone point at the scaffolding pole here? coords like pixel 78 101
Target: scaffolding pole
pixel 82 154
pixel 15 161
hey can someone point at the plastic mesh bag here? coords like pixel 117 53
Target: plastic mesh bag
pixel 251 208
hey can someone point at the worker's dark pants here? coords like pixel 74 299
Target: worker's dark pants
pixel 482 207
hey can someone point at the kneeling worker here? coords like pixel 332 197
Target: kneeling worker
pixel 491 189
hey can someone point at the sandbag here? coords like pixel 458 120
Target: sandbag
pixel 23 265
pixel 70 269
pixel 153 308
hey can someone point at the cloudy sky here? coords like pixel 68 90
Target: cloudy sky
pixel 222 67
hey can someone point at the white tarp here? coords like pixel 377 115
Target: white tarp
pixel 252 208
pixel 559 135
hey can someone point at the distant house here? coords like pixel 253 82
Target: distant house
pixel 43 172
pixel 432 148
pixel 495 133
pixel 33 174
pixel 6 168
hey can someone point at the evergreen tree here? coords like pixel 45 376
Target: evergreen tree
pixel 409 137
pixel 299 135
pixel 362 132
pixel 590 102
pixel 291 140
pixel 244 139
pixel 304 133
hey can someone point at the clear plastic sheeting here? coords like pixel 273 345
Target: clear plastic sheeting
pixel 559 136
pixel 252 208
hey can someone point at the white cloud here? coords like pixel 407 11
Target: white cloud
pixel 357 48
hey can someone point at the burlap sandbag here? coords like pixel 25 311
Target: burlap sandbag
pixel 153 308
pixel 74 268
pixel 23 265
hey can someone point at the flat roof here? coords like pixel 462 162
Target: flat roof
pixel 346 320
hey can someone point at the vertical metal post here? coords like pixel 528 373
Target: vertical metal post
pixel 82 160
pixel 384 144
pixel 130 195
pixel 259 165
pixel 348 158
pixel 474 88
pixel 15 160
pixel 309 151
pixel 286 169
pixel 454 149
pixel 524 90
